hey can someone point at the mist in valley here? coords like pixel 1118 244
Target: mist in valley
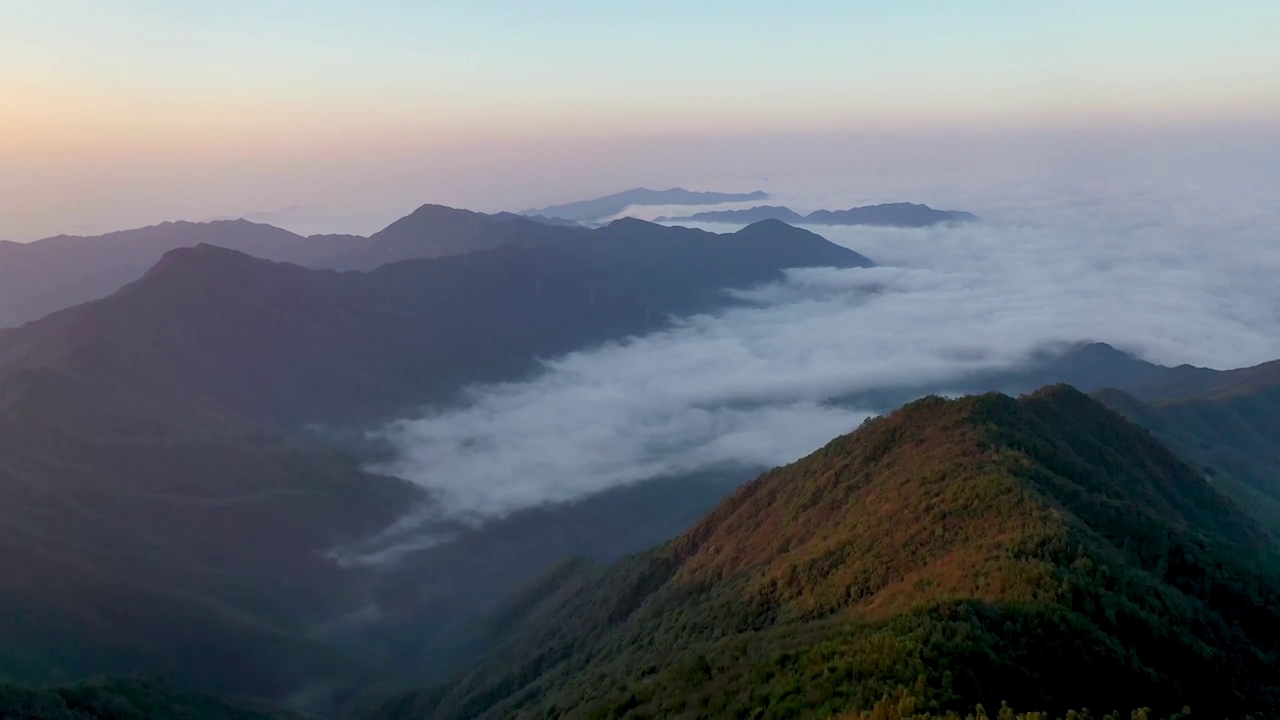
pixel 1172 274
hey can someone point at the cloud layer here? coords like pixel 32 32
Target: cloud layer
pixel 1172 278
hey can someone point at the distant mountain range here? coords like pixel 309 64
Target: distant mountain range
pixel 284 344
pixel 47 275
pixel 41 277
pixel 890 215
pixel 606 207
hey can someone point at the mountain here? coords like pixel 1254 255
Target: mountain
pixel 166 507
pixel 610 205
pixel 431 634
pixel 164 533
pixel 132 698
pixel 40 277
pixel 435 231
pixel 551 220
pixel 750 215
pixel 890 215
pixel 48 275
pixel 1042 551
pixel 286 345
pixel 1227 422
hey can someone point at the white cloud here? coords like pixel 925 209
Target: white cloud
pixel 1173 278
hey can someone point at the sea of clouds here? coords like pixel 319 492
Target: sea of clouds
pixel 1174 277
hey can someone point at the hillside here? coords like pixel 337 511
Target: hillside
pixel 156 497
pixel 1227 422
pixel 41 277
pixel 192 546
pixel 1041 551
pixel 132 698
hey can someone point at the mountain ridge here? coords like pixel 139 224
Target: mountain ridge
pixel 609 205
pixel 44 276
pixel 901 214
pixel 866 557
pixel 280 342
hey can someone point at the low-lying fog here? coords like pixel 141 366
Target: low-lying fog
pixel 1172 276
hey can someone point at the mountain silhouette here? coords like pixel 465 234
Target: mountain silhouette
pixel 41 277
pixel 610 205
pixel 48 275
pixel 890 215
pixel 280 343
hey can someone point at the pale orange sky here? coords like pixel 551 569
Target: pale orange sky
pixel 122 114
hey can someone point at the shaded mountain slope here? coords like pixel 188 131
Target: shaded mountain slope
pixel 159 512
pixel 41 277
pixel 132 698
pixel 195 549
pixel 434 231
pixel 48 275
pixel 909 215
pixel 610 205
pixel 680 270
pixel 284 344
pixel 44 276
pixel 1042 551
pixel 1232 428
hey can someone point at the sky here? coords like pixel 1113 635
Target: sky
pixel 332 115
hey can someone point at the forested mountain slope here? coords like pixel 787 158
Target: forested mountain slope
pixel 1042 551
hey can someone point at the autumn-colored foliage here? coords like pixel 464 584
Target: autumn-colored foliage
pixel 1042 552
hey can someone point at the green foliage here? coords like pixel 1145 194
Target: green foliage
pixel 1233 433
pixel 137 698
pixel 1042 552
pixel 903 706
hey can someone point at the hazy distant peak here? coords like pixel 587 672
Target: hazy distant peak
pixel 204 256
pixel 899 214
pixel 433 211
pixel 610 205
pixel 770 225
pixel 629 222
pixel 207 266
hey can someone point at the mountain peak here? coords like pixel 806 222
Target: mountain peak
pixel 205 255
pixel 1055 448
pixel 204 265
pixel 629 222
pixel 429 210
